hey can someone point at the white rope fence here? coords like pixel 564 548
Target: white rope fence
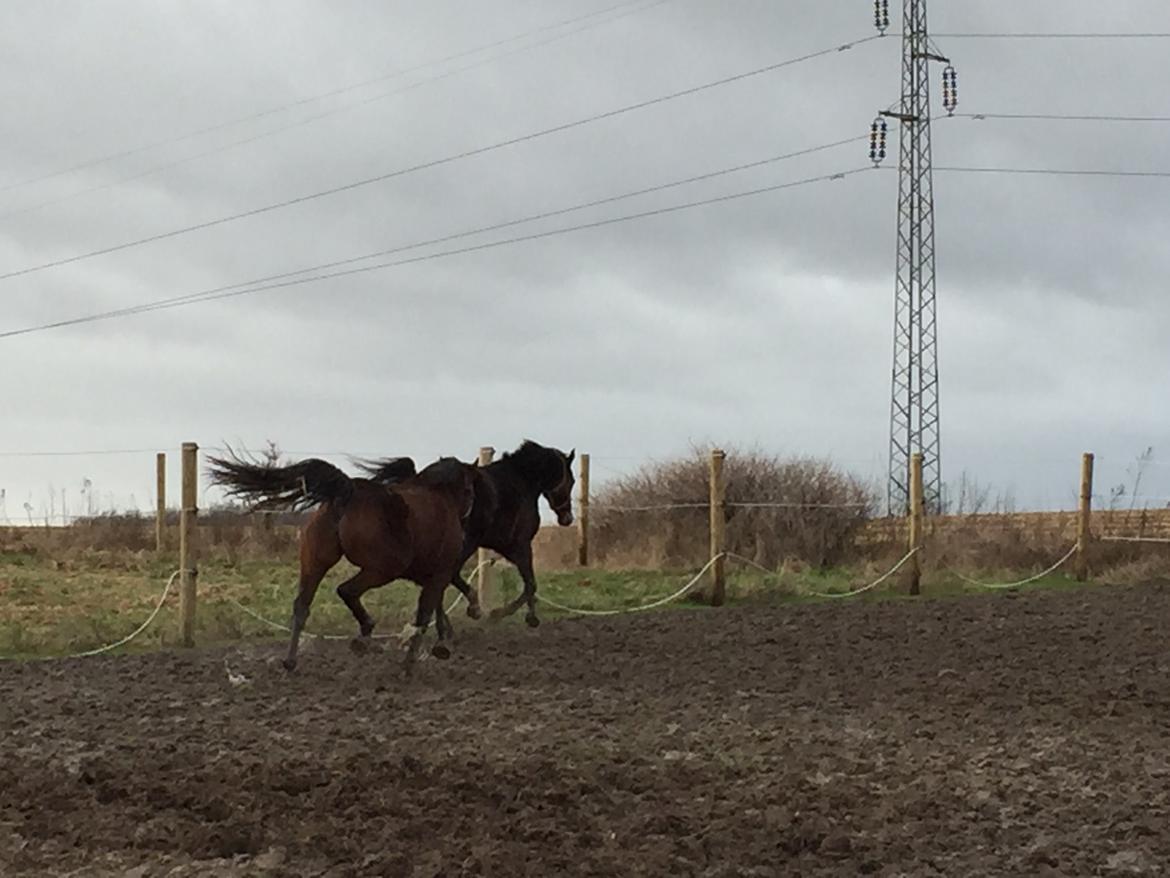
pixel 279 627
pixel 1134 539
pixel 659 602
pixel 276 626
pixel 582 611
pixel 855 506
pixel 621 610
pixel 665 507
pixel 162 599
pixel 1030 579
pixel 838 594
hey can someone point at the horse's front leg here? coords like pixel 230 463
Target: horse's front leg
pixel 523 561
pixel 430 599
pixel 471 594
pixel 446 632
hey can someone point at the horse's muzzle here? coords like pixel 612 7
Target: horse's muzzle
pixel 565 518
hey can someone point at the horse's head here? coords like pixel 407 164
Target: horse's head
pixel 548 473
pixel 560 495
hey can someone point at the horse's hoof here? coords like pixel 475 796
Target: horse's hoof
pixel 499 613
pixel 441 651
pixel 289 664
pixel 360 645
pixel 474 611
pixel 532 621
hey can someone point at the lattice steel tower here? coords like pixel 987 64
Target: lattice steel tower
pixel 914 411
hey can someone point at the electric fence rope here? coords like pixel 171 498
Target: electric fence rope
pixel 1030 579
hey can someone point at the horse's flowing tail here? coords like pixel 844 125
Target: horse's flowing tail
pixel 388 470
pixel 297 486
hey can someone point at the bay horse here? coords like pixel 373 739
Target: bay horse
pixel 411 529
pixel 505 515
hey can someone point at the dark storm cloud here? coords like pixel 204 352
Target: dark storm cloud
pixel 761 321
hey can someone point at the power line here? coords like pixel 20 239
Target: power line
pixel 333 93
pixel 472 248
pixel 176 300
pixel 524 138
pixel 549 214
pixel 1056 172
pixel 1060 117
pixel 1053 36
pixel 185 160
pixel 102 452
pixel 308 120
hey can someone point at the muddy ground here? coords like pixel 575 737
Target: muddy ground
pixel 1000 735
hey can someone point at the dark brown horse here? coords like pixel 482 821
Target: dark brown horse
pixel 506 516
pixel 412 529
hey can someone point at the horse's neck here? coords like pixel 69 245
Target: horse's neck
pixel 515 487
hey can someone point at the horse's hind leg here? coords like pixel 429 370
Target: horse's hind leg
pixel 306 591
pixel 319 550
pixel 351 592
pixel 314 567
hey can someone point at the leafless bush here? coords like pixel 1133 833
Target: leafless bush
pixel 969 496
pixel 995 541
pixel 230 530
pixel 1121 563
pixel 818 512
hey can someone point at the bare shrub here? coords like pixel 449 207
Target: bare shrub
pixel 226 531
pixel 1122 564
pixel 818 513
pixel 130 531
pixel 996 542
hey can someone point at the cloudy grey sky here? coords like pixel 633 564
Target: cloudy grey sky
pixel 762 321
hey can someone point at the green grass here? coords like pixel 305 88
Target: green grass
pixel 50 608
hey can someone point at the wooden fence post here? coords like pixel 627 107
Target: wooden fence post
pixel 188 548
pixel 160 521
pixel 583 513
pixel 486 453
pixel 718 530
pixel 1084 513
pixel 916 515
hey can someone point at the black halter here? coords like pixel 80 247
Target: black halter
pixel 566 505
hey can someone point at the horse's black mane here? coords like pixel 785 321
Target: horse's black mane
pixel 544 466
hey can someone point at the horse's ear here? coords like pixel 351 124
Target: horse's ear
pixel 572 454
